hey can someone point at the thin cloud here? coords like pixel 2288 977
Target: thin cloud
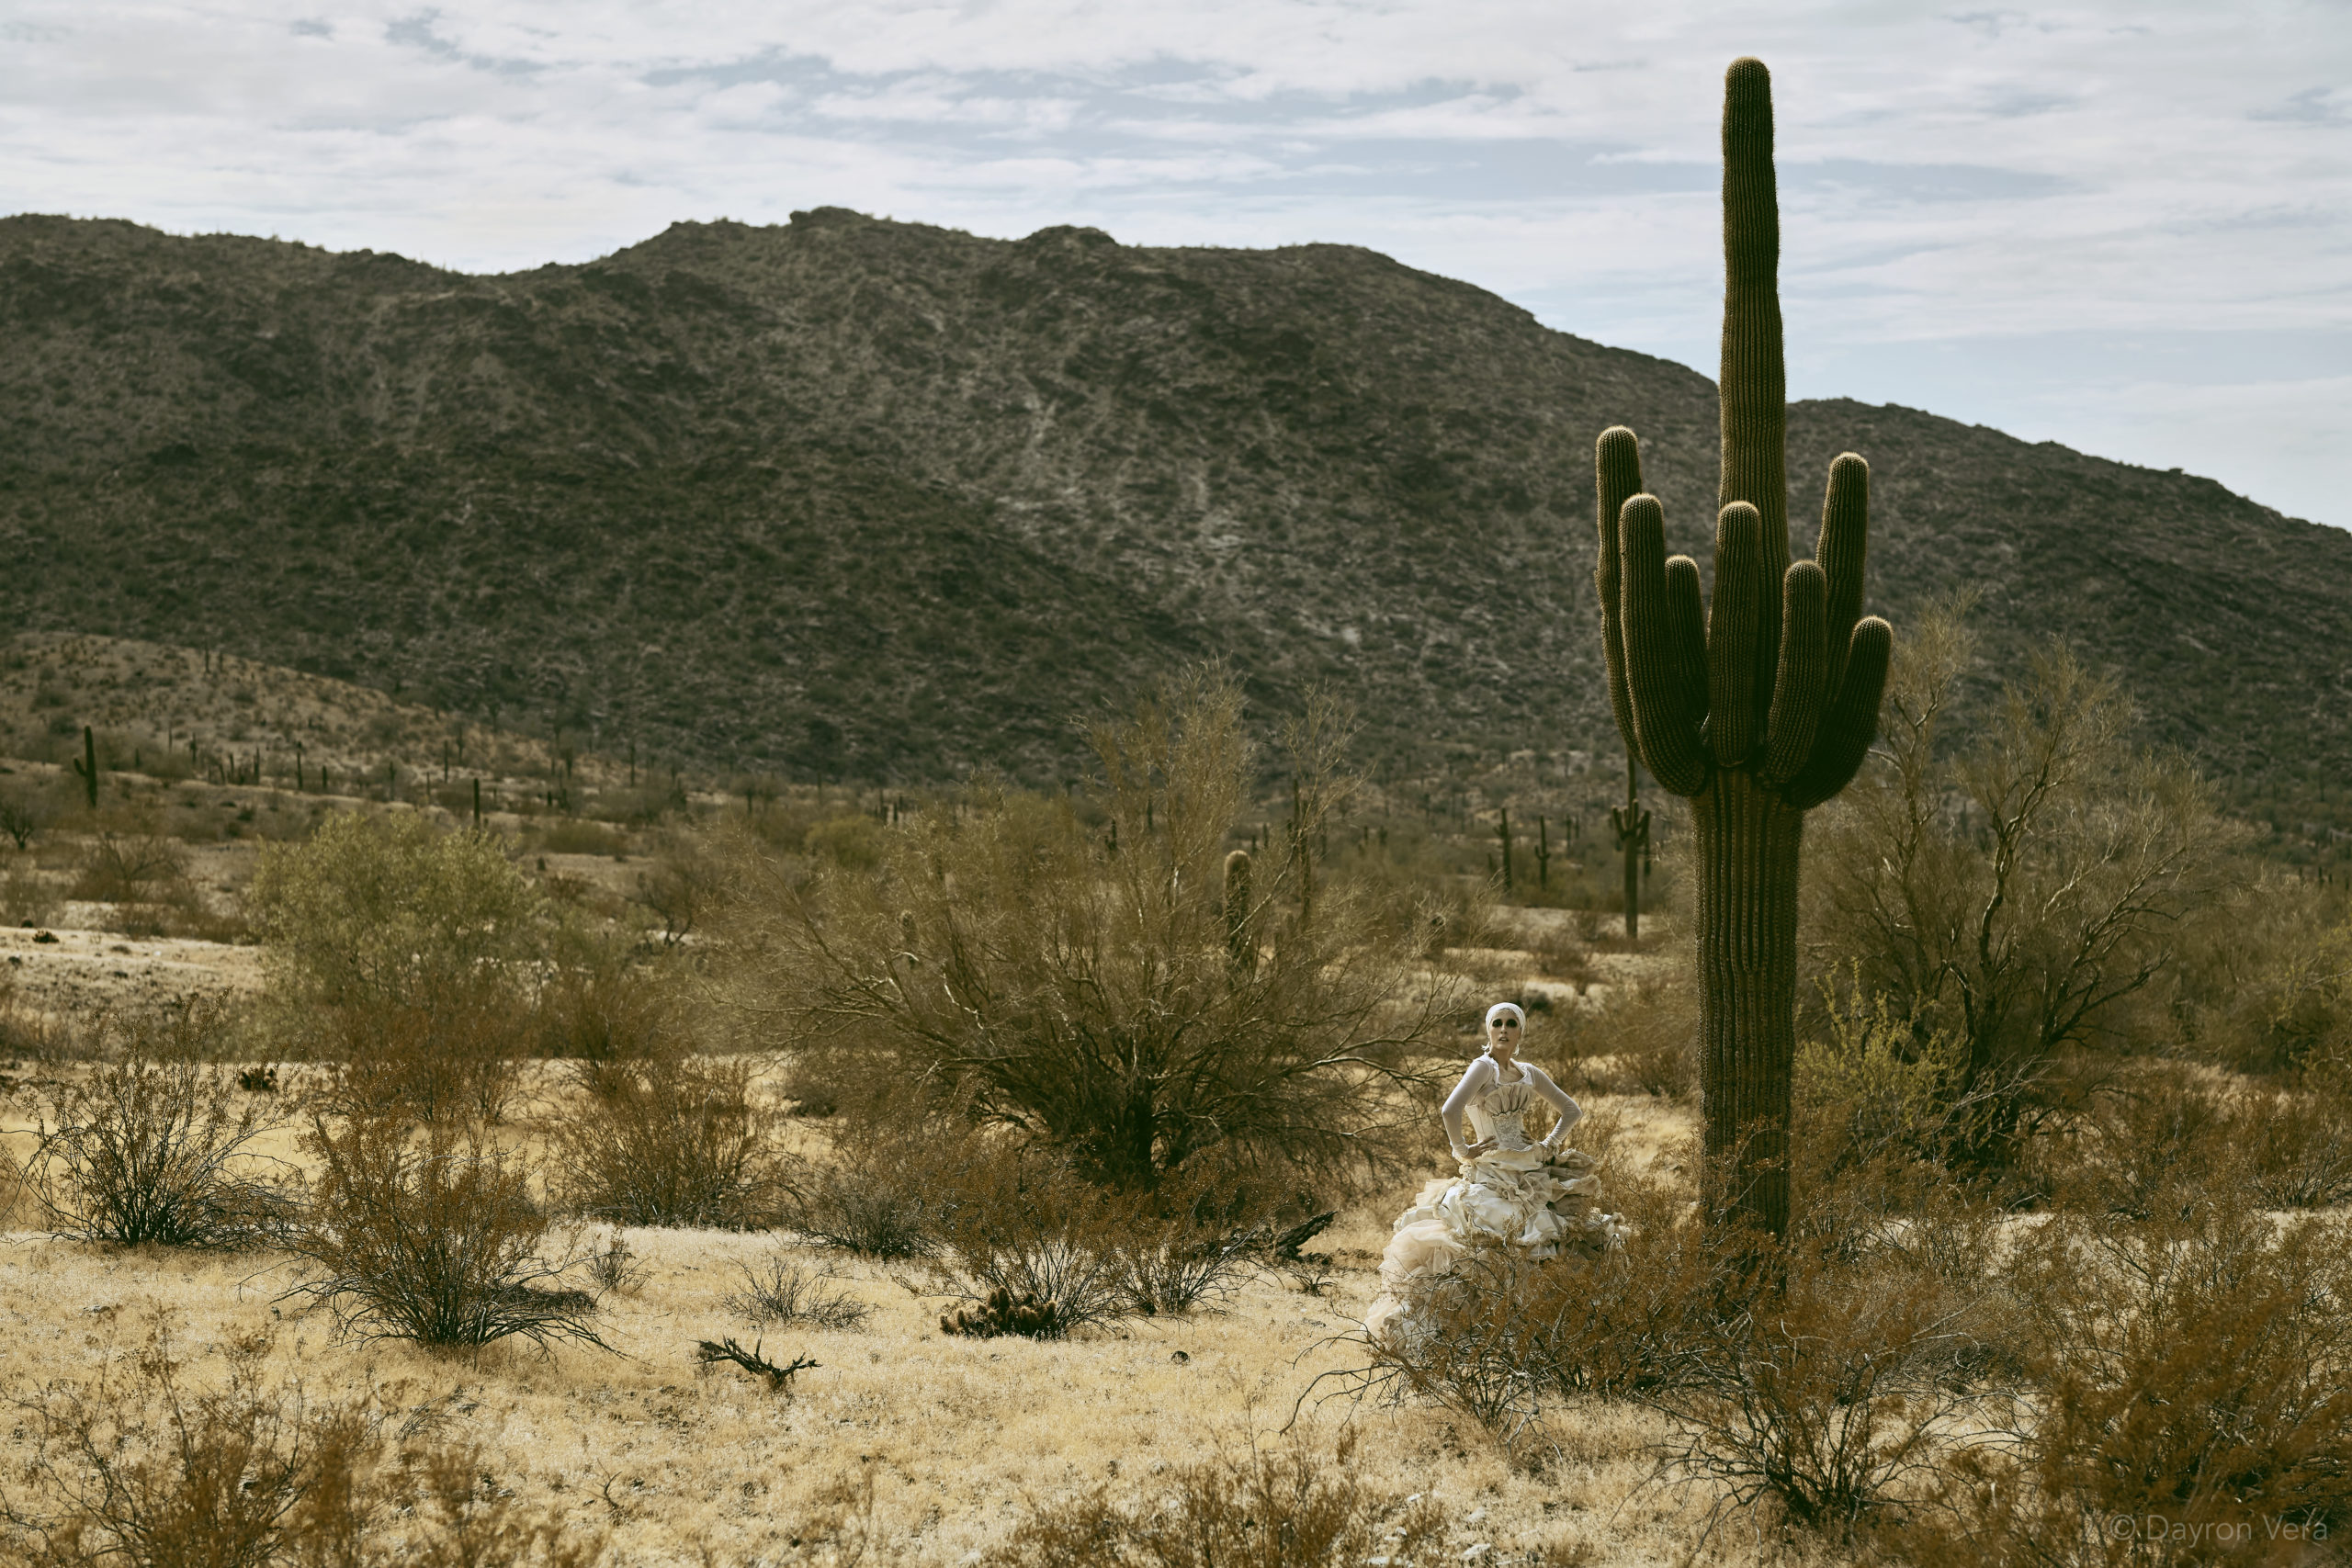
pixel 1947 179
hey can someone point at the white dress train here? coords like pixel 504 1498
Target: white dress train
pixel 1513 1194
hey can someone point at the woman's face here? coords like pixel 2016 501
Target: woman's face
pixel 1503 1035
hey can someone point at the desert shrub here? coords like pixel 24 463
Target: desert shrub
pixel 613 1266
pixel 2194 1372
pixel 1632 1037
pixel 30 1032
pixel 2023 891
pixel 436 1065
pixel 780 1290
pixel 429 1235
pixel 1874 1082
pixel 2261 982
pixel 1828 1398
pixel 573 835
pixel 386 913
pixel 599 1003
pixel 1077 985
pixel 26 897
pixel 878 1196
pixel 2149 1142
pixel 1034 1247
pixel 1269 1509
pixel 139 1465
pixel 129 868
pixel 26 810
pixel 153 1147
pixel 810 1092
pixel 1190 1242
pixel 145 876
pixel 672 1143
pixel 2297 1144
pixel 853 843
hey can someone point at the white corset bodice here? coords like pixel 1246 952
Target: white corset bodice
pixel 1500 1115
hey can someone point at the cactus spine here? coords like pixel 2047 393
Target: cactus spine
pixel 1757 707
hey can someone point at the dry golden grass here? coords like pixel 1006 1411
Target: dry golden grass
pixel 960 1436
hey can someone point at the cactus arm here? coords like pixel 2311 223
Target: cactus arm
pixel 1658 655
pixel 1617 479
pixel 1735 622
pixel 1688 612
pixel 1845 537
pixel 1754 381
pixel 1851 722
pixel 1802 683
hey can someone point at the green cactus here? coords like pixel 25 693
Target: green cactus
pixel 1631 826
pixel 86 767
pixel 1758 708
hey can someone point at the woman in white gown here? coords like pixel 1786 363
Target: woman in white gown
pixel 1537 1197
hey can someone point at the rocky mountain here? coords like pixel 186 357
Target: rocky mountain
pixel 857 499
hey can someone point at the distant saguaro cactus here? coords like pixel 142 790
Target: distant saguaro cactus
pixel 1632 825
pixel 1240 937
pixel 1758 708
pixel 86 767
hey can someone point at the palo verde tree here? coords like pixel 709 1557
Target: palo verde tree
pixel 1756 706
pixel 1112 983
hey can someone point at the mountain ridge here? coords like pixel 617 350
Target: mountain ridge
pixel 893 501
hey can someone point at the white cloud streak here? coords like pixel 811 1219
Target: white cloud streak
pixel 1955 184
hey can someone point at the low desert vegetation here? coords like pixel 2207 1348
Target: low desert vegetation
pixel 991 1175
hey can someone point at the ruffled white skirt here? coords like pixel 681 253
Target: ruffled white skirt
pixel 1541 1202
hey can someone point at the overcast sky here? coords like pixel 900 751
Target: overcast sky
pixel 2126 227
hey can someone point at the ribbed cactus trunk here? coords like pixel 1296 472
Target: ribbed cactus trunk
pixel 1757 706
pixel 1747 839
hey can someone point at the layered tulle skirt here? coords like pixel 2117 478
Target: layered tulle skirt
pixel 1538 1204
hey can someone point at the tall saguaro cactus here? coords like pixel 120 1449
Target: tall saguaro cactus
pixel 1758 707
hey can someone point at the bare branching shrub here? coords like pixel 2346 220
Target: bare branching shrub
pixel 2194 1383
pixel 680 887
pixel 2017 892
pixel 2297 1144
pixel 429 1235
pixel 671 1141
pixel 129 868
pixel 877 1195
pixel 1638 1036
pixel 1827 1398
pixel 25 811
pixel 135 1466
pixel 1035 1248
pixel 452 1064
pixel 1268 1508
pixel 155 1146
pixel 140 1465
pixel 613 1266
pixel 144 874
pixel 599 1003
pixel 1076 984
pixel 1190 1242
pixel 779 1291
pixel 465 1518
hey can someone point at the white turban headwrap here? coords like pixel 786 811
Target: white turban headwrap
pixel 1499 1008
